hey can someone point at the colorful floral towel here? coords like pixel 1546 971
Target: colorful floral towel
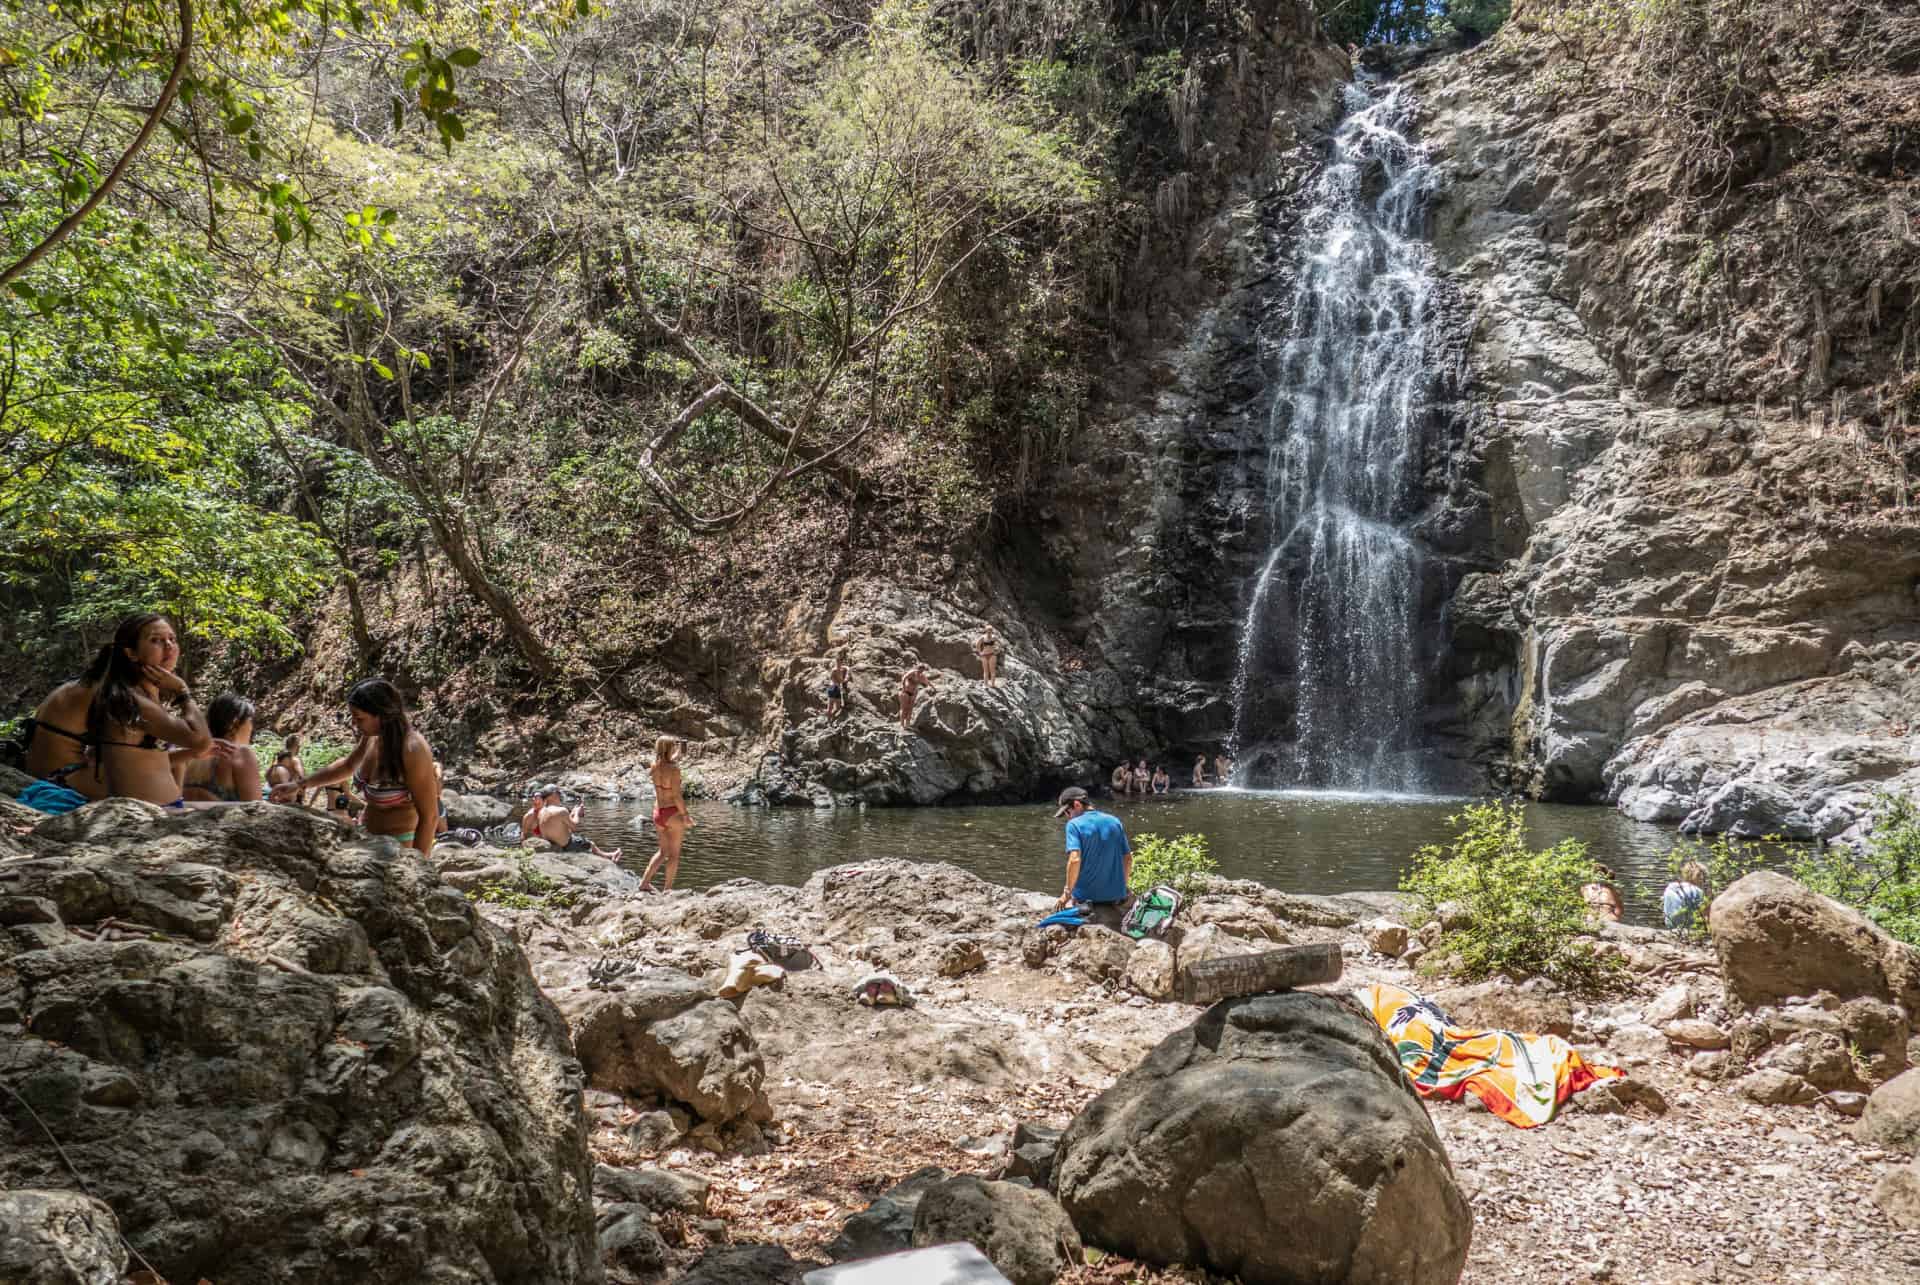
pixel 1520 1078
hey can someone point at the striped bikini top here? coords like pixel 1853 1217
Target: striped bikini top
pixel 384 795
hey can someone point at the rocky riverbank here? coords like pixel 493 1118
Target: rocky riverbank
pixel 257 1035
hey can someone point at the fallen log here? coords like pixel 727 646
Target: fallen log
pixel 1282 969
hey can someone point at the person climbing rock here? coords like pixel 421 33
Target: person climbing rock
pixel 987 648
pixel 1099 860
pixel 839 677
pixel 910 684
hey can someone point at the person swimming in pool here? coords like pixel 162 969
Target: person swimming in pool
pixel 391 768
pixel 143 721
pixel 670 817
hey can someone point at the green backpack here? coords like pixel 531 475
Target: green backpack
pixel 1152 911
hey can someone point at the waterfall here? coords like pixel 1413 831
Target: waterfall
pixel 1336 605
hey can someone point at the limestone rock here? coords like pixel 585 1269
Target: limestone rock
pixel 59 1238
pixel 1898 1195
pixel 1776 938
pixel 1671 1005
pixel 1030 1154
pixel 476 811
pixel 1773 1087
pixel 1694 1033
pixel 961 956
pixel 1385 936
pixel 886 1225
pixel 329 1070
pixel 1275 1139
pixel 1025 1232
pixel 1500 1006
pixel 662 1191
pixel 1151 969
pixel 1100 953
pixel 663 1033
pixel 1892 1117
pixel 745 1265
pixel 1637 1044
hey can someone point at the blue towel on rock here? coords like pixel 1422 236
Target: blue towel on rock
pixel 45 796
pixel 1071 917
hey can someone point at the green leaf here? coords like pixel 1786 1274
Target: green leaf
pixel 464 57
pixel 238 123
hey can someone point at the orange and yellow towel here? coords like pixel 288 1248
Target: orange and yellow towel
pixel 1520 1078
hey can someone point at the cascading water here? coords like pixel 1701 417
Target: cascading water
pixel 1336 605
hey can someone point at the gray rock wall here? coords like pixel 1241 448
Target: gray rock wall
pixel 1708 614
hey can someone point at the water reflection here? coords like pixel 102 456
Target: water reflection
pixel 1296 840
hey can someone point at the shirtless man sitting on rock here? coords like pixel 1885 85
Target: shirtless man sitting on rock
pixel 559 825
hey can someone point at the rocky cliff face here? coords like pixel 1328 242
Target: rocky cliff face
pixel 1119 599
pixel 1697 402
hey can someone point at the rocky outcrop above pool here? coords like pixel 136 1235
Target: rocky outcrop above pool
pixel 1689 421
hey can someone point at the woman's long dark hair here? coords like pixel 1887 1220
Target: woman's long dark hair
pixel 228 711
pixel 113 676
pixel 380 698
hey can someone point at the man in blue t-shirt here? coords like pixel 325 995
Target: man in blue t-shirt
pixel 1099 858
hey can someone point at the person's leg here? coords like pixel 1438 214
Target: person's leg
pixel 599 851
pixel 671 836
pixel 906 711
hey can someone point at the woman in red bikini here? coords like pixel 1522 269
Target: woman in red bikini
pixel 670 817
pixel 391 768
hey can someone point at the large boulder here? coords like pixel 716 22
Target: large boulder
pixel 664 1033
pixel 1023 1231
pixel 1892 1118
pixel 886 1225
pixel 1778 938
pixel 476 811
pixel 59 1238
pixel 1275 1139
pixel 308 1060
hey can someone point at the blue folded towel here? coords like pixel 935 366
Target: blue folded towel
pixel 1071 917
pixel 45 796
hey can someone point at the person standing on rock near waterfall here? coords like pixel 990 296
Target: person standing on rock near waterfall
pixel 910 684
pixel 391 768
pixel 838 679
pixel 987 648
pixel 1099 860
pixel 670 817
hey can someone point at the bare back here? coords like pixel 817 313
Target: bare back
pixel 59 740
pixel 667 786
pixel 555 824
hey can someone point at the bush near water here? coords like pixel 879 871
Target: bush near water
pixel 1510 909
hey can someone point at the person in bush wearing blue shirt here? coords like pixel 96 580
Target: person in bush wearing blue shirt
pixel 1099 859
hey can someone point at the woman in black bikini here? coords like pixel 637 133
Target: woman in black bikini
pixel 391 768
pixel 56 751
pixel 232 775
pixel 138 703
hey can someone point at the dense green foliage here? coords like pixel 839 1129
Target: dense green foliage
pixel 487 318
pixel 1880 879
pixel 1510 909
pixel 1409 21
pixel 1181 862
